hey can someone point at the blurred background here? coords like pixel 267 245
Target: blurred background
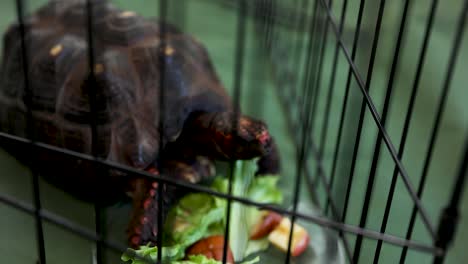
pixel 275 72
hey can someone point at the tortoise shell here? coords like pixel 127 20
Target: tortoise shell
pixel 127 48
pixel 131 82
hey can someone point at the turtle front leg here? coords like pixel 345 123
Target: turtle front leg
pixel 143 222
pixel 143 226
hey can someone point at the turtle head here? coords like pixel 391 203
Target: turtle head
pixel 251 138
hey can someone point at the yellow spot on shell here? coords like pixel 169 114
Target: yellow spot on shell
pixel 169 51
pixel 55 50
pixel 98 68
pixel 127 14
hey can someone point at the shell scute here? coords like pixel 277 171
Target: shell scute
pixel 128 74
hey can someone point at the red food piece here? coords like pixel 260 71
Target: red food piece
pixel 212 248
pixel 269 221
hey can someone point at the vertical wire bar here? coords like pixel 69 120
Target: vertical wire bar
pixel 302 148
pixel 360 126
pixel 345 99
pixel 331 89
pixel 310 76
pixel 329 199
pixel 315 78
pixel 306 89
pixel 301 100
pixel 238 70
pixel 98 216
pixel 346 95
pixel 362 112
pixel 297 51
pixel 449 220
pixel 163 5
pixel 323 50
pixel 286 78
pixel 440 109
pixel 20 7
pixel 318 154
pixel 378 143
pixel 409 113
pixel 318 77
pixel 268 15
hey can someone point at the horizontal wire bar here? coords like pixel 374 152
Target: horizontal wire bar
pixel 66 224
pixel 92 236
pixel 375 115
pixel 314 219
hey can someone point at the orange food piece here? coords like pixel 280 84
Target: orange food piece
pixel 269 221
pixel 211 247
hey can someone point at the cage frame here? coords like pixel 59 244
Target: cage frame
pixel 267 16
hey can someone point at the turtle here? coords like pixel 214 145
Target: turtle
pixel 138 73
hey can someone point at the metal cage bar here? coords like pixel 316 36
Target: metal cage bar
pixel 306 94
pixel 404 175
pixel 163 7
pixel 20 9
pixel 198 188
pixel 331 89
pixel 99 218
pixel 378 142
pixel 238 72
pixel 458 38
pixel 409 113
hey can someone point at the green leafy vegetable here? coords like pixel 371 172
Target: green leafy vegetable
pixel 260 189
pixel 198 215
pixel 200 259
pixel 192 219
pixel 146 254
pixel 151 257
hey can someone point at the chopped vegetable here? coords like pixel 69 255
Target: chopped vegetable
pixel 145 254
pixel 197 216
pixel 261 189
pixel 269 220
pixel 280 237
pixel 212 247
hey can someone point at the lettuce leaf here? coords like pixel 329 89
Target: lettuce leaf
pixel 198 259
pixel 261 189
pixel 147 254
pixel 199 215
pixel 193 259
pixel 194 218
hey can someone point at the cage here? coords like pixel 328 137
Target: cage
pixel 366 101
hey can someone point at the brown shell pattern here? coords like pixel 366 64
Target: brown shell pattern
pixel 128 71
